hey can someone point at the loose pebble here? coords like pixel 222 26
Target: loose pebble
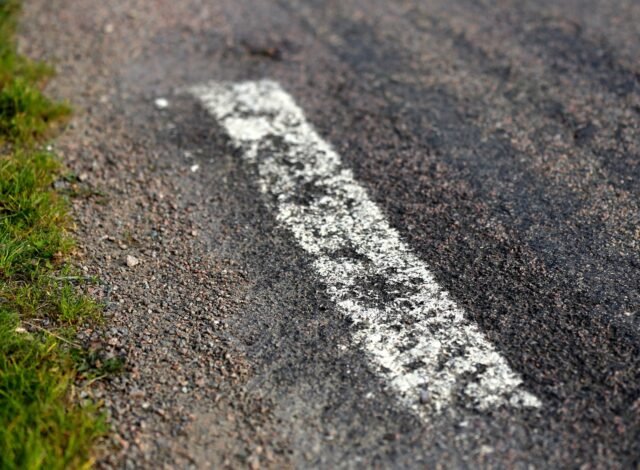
pixel 161 103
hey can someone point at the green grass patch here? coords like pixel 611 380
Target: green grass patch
pixel 43 421
pixel 26 114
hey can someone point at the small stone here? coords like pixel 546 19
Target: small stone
pixel 132 261
pixel 20 330
pixel 82 177
pixel 254 462
pixel 424 396
pixel 109 28
pixel 484 450
pixel 194 168
pixel 269 455
pixel 161 103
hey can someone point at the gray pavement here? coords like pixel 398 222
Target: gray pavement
pixel 499 140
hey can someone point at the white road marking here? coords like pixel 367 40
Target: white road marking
pixel 416 337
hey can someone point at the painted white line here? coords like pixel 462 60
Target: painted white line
pixel 414 334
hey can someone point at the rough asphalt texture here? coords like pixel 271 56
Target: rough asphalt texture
pixel 502 139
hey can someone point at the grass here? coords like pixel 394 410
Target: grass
pixel 43 421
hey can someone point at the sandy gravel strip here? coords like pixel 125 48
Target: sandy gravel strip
pixel 416 337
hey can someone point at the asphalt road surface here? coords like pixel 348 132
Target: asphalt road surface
pixel 371 234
